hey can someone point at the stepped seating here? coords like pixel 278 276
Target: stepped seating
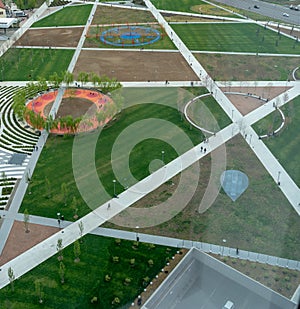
pixel 14 138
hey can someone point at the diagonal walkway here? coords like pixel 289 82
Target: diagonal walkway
pixel 174 242
pixel 42 251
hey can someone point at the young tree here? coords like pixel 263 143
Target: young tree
pixel 59 248
pixel 38 290
pixel 64 191
pixel 62 272
pixel 77 251
pixel 81 229
pixel 26 220
pixel 74 207
pixel 48 187
pixel 11 277
pixel 68 78
pixel 83 77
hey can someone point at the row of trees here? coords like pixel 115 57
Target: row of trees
pixel 68 123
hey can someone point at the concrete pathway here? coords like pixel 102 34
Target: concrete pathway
pixel 39 253
pixel 170 242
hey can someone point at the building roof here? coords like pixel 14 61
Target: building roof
pixel 201 281
pixel 6 22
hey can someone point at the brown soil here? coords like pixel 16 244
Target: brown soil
pixel 161 277
pixel 19 241
pixel 246 104
pixel 113 15
pixel 135 66
pixel 247 68
pixel 76 107
pixel 59 37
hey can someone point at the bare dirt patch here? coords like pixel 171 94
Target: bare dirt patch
pixel 76 107
pixel 245 104
pixel 246 68
pixel 19 241
pixel 135 66
pixel 113 15
pixel 59 37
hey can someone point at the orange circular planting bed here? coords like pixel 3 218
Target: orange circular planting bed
pixel 76 102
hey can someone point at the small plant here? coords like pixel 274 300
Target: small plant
pixel 116 259
pixel 244 263
pixel 127 281
pixel 150 263
pixel 132 262
pixel 94 300
pixel 287 278
pixel 146 280
pixel 107 278
pixel 118 241
pixel 135 245
pixel 151 246
pixel 116 301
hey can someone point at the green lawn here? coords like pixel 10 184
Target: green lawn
pixel 68 16
pixel 86 279
pixel 55 162
pixel 286 145
pixel 28 64
pixel 260 220
pixel 199 111
pixel 232 37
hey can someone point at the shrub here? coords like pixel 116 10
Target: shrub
pixel 127 281
pixel 116 259
pixel 150 263
pixel 118 241
pixel 107 278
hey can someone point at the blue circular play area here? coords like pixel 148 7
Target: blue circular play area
pixel 130 36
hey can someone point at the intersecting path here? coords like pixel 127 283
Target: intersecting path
pixel 42 251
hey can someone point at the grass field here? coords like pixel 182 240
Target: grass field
pixel 86 279
pixel 192 6
pixel 248 68
pixel 286 145
pixel 29 64
pixel 198 113
pixel 260 220
pixel 56 161
pixel 68 16
pixel 230 37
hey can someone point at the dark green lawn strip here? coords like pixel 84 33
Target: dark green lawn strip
pixel 85 280
pixel 55 162
pixel 232 37
pixel 29 64
pixel 286 145
pixel 68 16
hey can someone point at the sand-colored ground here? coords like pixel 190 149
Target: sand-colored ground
pixel 245 104
pixel 58 37
pixel 19 241
pixel 135 65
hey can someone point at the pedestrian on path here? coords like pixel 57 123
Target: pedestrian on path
pixel 108 206
pixel 58 221
pixel 201 148
pixel 237 251
pixel 204 150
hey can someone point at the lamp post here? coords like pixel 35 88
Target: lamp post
pixel 163 156
pixel 137 233
pixel 224 241
pixel 278 178
pixel 114 182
